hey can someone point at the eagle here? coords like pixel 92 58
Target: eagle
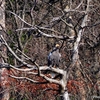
pixel 54 57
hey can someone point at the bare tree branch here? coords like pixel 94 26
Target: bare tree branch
pixel 20 18
pixel 26 78
pixel 78 39
pixel 19 59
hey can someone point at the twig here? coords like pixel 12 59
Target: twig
pixel 20 18
pixel 26 78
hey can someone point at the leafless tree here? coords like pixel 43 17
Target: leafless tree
pixel 34 26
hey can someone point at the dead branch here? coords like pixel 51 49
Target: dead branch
pixel 26 78
pixel 20 18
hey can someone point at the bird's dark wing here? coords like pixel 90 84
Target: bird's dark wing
pixel 50 59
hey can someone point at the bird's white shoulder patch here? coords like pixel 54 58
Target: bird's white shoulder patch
pixel 49 55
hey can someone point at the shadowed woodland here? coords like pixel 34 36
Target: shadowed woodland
pixel 32 29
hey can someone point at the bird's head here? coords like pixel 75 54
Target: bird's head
pixel 57 45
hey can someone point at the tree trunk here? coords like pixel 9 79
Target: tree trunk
pixel 4 82
pixel 66 96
